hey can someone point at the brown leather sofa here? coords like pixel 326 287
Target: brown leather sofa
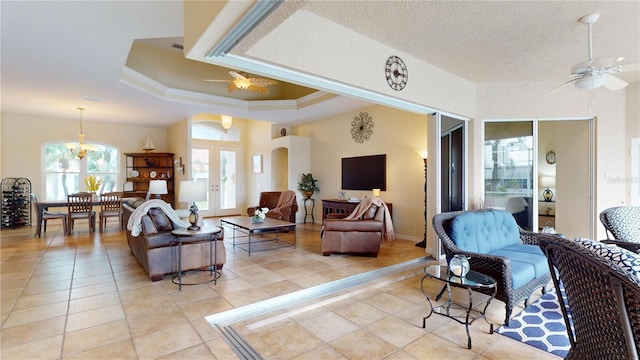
pixel 357 236
pixel 269 199
pixel 153 247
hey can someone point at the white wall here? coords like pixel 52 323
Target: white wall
pixel 24 135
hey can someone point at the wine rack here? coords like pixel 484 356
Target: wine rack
pixel 16 202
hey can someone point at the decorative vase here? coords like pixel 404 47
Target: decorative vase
pixel 459 265
pixel 308 194
pixel 257 219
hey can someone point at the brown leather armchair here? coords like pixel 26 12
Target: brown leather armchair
pixel 269 199
pixel 357 236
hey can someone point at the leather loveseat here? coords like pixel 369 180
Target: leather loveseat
pixel 269 199
pixel 153 247
pixel 358 236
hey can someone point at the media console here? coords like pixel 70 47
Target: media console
pixel 337 206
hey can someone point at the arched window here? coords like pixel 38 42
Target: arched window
pixel 211 130
pixel 64 173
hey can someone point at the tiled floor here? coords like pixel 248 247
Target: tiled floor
pixel 86 297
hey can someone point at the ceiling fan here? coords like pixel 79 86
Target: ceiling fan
pixel 594 73
pixel 243 81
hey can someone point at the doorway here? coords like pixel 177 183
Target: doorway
pixel 543 180
pixel 452 170
pixel 217 165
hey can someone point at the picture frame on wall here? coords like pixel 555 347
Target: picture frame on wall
pixel 257 164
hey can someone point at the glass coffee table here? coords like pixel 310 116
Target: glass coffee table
pixel 258 233
pixel 472 281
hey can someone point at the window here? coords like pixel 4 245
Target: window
pixel 64 173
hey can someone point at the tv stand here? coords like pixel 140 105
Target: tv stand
pixel 338 206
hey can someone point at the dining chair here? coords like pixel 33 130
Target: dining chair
pixel 48 215
pixel 111 206
pixel 80 207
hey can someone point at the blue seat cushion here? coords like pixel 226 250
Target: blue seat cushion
pixel 527 262
pixel 484 231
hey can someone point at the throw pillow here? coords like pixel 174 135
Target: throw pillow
pixel 162 221
pixel 626 260
pixel 625 223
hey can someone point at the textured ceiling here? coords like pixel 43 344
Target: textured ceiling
pixel 55 52
pixel 484 41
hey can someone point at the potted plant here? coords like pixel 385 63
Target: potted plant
pixel 307 185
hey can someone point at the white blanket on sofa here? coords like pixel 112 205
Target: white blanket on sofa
pixel 135 220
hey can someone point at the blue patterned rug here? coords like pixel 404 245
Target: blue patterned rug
pixel 540 325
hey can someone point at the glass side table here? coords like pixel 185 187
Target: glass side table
pixel 472 281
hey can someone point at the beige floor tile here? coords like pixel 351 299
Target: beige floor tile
pixel 200 351
pixel 47 348
pixel 35 314
pixel 166 341
pixel 360 313
pixel 287 342
pixel 86 319
pixel 120 350
pixel 93 302
pixel 362 345
pixel 142 323
pixel 395 331
pixel 155 320
pixel 221 350
pixel 329 326
pixel 21 334
pixel 29 301
pixel 94 337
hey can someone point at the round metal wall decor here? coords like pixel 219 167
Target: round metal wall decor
pixel 362 127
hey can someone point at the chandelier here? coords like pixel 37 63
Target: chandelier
pixel 82 148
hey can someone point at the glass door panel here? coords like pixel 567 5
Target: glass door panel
pixel 217 166
pixel 508 169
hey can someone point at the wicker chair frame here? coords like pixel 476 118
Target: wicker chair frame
pixel 604 302
pixel 498 267
pixel 609 230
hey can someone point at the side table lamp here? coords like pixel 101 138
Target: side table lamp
pixel 157 188
pixel 191 192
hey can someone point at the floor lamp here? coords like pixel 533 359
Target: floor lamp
pixel 424 155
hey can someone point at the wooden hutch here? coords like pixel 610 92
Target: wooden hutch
pixel 141 168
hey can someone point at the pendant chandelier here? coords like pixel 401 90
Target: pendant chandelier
pixel 82 148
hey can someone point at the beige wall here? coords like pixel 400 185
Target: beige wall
pixel 24 136
pixel 395 133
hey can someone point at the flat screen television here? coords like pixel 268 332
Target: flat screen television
pixel 364 172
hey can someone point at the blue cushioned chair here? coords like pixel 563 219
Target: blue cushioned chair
pixel 497 247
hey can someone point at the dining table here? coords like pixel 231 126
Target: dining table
pixel 43 206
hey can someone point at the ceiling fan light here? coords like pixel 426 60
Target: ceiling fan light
pixel 590 82
pixel 226 121
pixel 242 83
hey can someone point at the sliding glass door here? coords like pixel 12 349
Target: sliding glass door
pixel 509 169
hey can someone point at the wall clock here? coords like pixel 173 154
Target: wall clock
pixel 551 157
pixel 396 73
pixel 362 127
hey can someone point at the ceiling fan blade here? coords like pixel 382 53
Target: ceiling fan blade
pixel 231 87
pixel 561 85
pixel 614 83
pixel 258 89
pixel 264 82
pixel 237 75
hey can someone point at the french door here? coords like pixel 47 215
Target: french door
pixel 217 166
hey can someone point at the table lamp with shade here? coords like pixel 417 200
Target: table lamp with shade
pixel 548 182
pixel 157 188
pixel 192 192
